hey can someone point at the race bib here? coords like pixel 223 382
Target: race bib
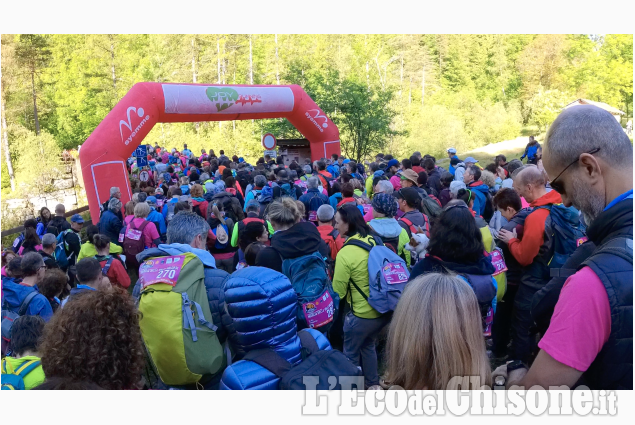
pixel 395 273
pixel 312 215
pixel 121 237
pixel 489 320
pixel 366 208
pixel 319 312
pixel 160 203
pixel 133 234
pixel 241 265
pixel 161 270
pixel 498 261
pixel 582 240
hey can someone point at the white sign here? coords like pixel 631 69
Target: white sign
pixel 272 153
pixel 144 176
pixel 269 142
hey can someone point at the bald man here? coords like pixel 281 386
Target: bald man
pixel 59 222
pixel 590 336
pixel 533 253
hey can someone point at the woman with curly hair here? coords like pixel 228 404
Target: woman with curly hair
pixel 95 338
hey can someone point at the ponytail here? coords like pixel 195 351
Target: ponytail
pixel 101 241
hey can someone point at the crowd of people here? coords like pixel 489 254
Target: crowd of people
pixel 220 274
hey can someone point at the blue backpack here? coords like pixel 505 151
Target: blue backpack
pixel 288 189
pixel 317 301
pixel 566 229
pixel 60 250
pixel 14 380
pixel 315 202
pixel 387 276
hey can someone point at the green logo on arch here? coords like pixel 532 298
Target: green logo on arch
pixel 224 97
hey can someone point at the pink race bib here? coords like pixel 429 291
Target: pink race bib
pixel 159 203
pixel 313 216
pixel 582 240
pixel 161 270
pixel 394 273
pixel 319 312
pixel 498 261
pixel 366 208
pixel 133 234
pixel 489 320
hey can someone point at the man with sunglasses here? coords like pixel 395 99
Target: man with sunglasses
pixel 590 336
pixel 533 252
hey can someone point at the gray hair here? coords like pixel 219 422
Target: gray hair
pixel 260 180
pixel 114 205
pixel 252 206
pixel 114 190
pixel 582 128
pixel 185 227
pixel 203 177
pixel 385 186
pixel 49 240
pixel 530 174
pixel 142 209
pixel 325 213
pixel 307 169
pixel 312 183
pixel 513 165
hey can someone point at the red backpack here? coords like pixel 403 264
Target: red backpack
pixel 417 229
pixel 434 198
pixel 134 242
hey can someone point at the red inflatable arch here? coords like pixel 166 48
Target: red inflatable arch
pixel 105 152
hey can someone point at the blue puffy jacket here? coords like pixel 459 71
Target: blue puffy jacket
pixel 14 293
pixel 261 313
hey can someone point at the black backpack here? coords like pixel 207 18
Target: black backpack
pixel 322 364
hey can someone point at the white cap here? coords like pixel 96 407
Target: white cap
pixel 451 150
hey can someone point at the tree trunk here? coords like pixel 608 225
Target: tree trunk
pixel 112 63
pixel 37 121
pixel 5 145
pixel 251 63
pixel 218 58
pixel 423 82
pixel 277 70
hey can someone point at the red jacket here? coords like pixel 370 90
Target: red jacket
pixel 525 250
pixel 116 273
pixel 334 244
pixel 321 175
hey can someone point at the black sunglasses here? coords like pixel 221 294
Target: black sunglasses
pixel 555 185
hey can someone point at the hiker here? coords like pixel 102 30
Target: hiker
pixel 472 179
pixel 589 160
pixel 386 227
pixel 413 221
pixel 111 265
pixel 43 221
pixel 222 227
pixel 313 199
pixel 433 174
pixel 260 181
pixel 59 221
pixel 95 339
pixel 115 193
pixel 49 243
pixel 88 248
pixel 110 222
pixel 531 151
pixel 533 253
pixel 53 285
pixel 21 292
pixel 446 337
pixel 363 323
pixel 90 277
pixel 330 235
pixel 23 369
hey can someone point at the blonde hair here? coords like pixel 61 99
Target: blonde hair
pixel 301 208
pixel 283 212
pixel 436 334
pixel 129 208
pixel 184 180
pixel 142 209
pixel 488 178
pixel 196 191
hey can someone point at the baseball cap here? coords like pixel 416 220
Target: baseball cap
pixel 159 190
pixel 451 150
pixel 391 163
pixel 77 219
pixel 409 175
pixel 151 200
pixel 470 159
pixel 409 194
pixel 184 198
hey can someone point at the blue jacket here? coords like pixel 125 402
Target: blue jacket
pixel 14 294
pixel 251 194
pixel 480 197
pixel 166 207
pixel 157 217
pixel 214 279
pixel 261 313
pixel 310 194
pixel 335 199
pixel 110 225
pixel 334 169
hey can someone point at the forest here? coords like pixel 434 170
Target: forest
pixel 390 93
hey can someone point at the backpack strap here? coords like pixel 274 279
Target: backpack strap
pixel 143 225
pixel 27 368
pixel 107 266
pixel 270 360
pixel 615 247
pixel 308 342
pixel 25 303
pixel 359 244
pixel 334 234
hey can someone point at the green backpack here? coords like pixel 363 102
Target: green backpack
pixel 176 322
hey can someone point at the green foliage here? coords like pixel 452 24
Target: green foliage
pixel 546 105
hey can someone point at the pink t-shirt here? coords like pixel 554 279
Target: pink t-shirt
pixel 524 203
pixel 149 233
pixel 581 321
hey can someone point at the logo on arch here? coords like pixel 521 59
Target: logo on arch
pixel 139 112
pixel 318 119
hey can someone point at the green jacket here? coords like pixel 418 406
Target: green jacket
pixel 88 250
pixel 369 186
pixel 352 264
pixel 33 379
